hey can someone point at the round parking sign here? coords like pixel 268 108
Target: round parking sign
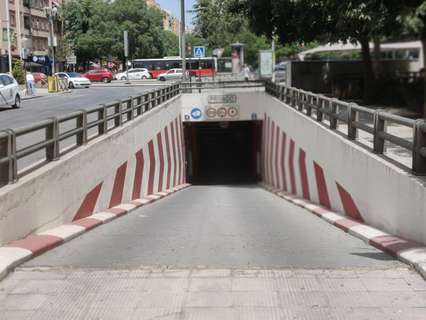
pixel 196 113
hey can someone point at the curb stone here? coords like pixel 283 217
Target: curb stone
pixel 19 251
pixel 406 251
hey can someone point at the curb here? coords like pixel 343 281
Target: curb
pixel 23 250
pixel 407 251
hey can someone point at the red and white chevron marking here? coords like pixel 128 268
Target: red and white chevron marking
pixel 156 170
pixel 288 168
pixel 156 167
pixel 407 251
pixel 22 250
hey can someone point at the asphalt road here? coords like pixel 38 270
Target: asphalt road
pixel 50 106
pixel 217 227
pixel 41 108
pixel 217 252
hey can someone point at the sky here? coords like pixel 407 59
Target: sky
pixel 174 7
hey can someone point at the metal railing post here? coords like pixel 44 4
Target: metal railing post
pixel 118 117
pixel 419 148
pixel 8 168
pixel 309 99
pixel 82 123
pixel 138 106
pixel 102 115
pixel 52 133
pixel 320 104
pixel 351 119
pixel 379 126
pixel 333 114
pixel 300 101
pixel 130 105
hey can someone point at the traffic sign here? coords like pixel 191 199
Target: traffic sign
pixel 196 113
pixel 72 59
pixel 199 52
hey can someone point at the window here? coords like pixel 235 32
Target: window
pixel 12 18
pixel 414 54
pixel 6 80
pixel 27 22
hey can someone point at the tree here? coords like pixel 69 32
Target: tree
pixel 96 27
pixel 219 26
pixel 326 21
pixel 414 21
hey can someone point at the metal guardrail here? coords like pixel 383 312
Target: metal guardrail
pixel 199 86
pixel 307 102
pixel 106 118
pixel 113 115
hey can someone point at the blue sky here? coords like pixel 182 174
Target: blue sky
pixel 174 6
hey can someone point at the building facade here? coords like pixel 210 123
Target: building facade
pixel 170 22
pixel 29 29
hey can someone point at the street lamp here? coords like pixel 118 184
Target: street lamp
pixel 52 14
pixel 182 38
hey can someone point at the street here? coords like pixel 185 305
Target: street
pixel 38 109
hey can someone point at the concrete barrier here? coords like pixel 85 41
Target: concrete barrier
pixel 303 157
pixel 143 157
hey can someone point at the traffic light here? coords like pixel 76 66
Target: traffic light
pixel 189 50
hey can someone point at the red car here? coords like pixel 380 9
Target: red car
pixel 39 78
pixel 103 75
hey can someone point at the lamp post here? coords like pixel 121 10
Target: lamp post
pixel 9 40
pixel 182 37
pixel 51 14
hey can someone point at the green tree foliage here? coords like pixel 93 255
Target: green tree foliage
pixel 220 26
pixel 96 27
pixel 326 21
pixel 18 71
pixel 413 19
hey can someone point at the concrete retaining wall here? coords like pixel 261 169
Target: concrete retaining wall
pixel 145 156
pixel 317 164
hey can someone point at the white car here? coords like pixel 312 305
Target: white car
pixel 134 74
pixel 75 80
pixel 9 91
pixel 172 74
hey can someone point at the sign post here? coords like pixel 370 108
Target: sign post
pixel 266 64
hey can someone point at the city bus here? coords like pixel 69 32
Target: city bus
pixel 410 51
pixel 204 67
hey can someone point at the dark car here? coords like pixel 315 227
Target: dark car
pixel 103 75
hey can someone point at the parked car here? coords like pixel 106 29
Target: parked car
pixel 75 80
pixel 280 71
pixel 9 91
pixel 134 74
pixel 172 74
pixel 103 75
pixel 39 78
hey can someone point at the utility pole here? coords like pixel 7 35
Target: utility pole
pixel 9 40
pixel 182 36
pixel 51 13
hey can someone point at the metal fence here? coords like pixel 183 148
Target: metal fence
pixel 208 84
pixel 54 135
pixel 331 111
pixel 81 126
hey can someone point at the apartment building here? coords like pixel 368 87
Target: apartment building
pixel 29 28
pixel 170 22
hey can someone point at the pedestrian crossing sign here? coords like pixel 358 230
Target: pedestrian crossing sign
pixel 199 52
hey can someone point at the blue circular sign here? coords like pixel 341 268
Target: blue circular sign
pixel 196 113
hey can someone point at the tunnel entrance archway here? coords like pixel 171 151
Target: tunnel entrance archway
pixel 223 152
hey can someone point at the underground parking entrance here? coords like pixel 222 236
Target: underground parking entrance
pixel 223 153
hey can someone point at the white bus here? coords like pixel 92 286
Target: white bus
pixel 411 51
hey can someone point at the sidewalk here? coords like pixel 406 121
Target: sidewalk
pixel 39 93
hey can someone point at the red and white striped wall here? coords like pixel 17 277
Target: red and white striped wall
pixel 289 168
pixel 157 166
pixel 306 159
